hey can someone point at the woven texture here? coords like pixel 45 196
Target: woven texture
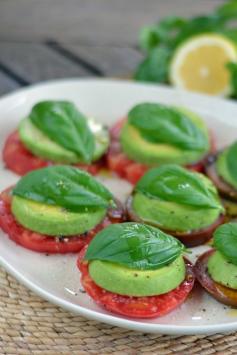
pixel 30 325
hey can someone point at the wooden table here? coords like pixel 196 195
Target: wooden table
pixel 48 39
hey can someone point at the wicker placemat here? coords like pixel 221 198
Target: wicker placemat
pixel 30 325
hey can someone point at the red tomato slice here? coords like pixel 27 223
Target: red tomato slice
pixel 128 169
pixel 20 160
pixel 136 307
pixel 43 243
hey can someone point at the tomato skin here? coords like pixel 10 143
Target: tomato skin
pixel 221 293
pixel 45 244
pixel 128 169
pixel 135 307
pixel 20 160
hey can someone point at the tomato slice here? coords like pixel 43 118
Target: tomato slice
pixel 221 293
pixel 43 243
pixel 128 169
pixel 136 307
pixel 20 160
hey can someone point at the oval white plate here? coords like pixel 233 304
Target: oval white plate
pixel 56 278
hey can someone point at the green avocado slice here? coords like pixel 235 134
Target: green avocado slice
pixel 222 271
pixel 54 220
pixel 172 216
pixel 124 281
pixel 142 151
pixel 40 145
pixel 222 169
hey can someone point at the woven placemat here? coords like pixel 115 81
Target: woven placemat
pixel 30 325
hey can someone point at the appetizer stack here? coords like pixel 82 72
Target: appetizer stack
pixel 131 257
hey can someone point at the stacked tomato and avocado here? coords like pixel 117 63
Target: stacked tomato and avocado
pixel 154 134
pixel 216 269
pixel 222 169
pixel 179 201
pixel 55 132
pixel 136 270
pixel 57 209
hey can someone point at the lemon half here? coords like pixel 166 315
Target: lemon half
pixel 199 64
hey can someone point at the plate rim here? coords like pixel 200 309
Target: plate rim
pixel 83 311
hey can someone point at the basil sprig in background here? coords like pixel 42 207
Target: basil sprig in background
pixel 65 186
pixel 225 241
pixel 160 41
pixel 173 183
pixel 66 126
pixel 163 124
pixel 134 245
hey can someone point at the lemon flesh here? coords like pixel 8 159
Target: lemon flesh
pixel 199 64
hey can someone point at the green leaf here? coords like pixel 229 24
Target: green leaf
pixel 232 67
pixel 231 160
pixel 65 125
pixel 162 124
pixel 64 186
pixel 155 68
pixel 228 10
pixel 137 246
pixel 162 33
pixel 176 184
pixel 225 241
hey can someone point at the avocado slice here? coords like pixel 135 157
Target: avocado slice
pixel 124 281
pixel 222 271
pixel 54 220
pixel 222 169
pixel 142 151
pixel 40 145
pixel 172 216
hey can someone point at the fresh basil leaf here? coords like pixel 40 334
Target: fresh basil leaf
pixel 64 186
pixel 228 10
pixel 137 246
pixel 162 124
pixel 232 67
pixel 65 125
pixel 176 184
pixel 162 33
pixel 155 68
pixel 225 241
pixel 231 160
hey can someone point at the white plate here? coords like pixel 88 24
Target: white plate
pixel 56 278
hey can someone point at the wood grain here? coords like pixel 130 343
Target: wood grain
pixel 36 62
pixel 112 61
pixel 88 21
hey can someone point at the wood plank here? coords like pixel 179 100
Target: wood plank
pixel 100 21
pixel 7 84
pixel 36 62
pixel 112 61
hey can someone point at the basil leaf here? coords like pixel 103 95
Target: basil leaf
pixel 65 125
pixel 231 160
pixel 162 33
pixel 228 10
pixel 64 186
pixel 225 241
pixel 162 124
pixel 232 67
pixel 173 183
pixel 137 246
pixel 155 68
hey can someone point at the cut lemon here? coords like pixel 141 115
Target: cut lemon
pixel 199 64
